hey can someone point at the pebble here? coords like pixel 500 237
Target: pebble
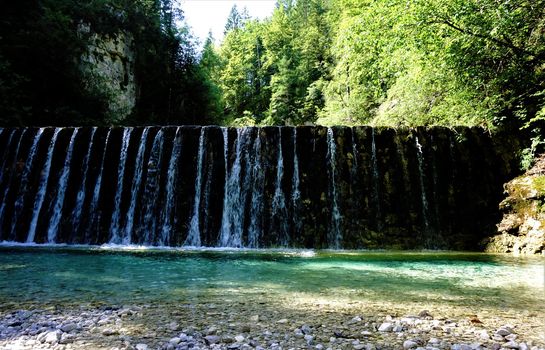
pixel 511 345
pixel 110 331
pixel 306 329
pixel 212 339
pixel 175 340
pixel 68 327
pixel 77 329
pixel 385 327
pixel 409 344
pixel 52 337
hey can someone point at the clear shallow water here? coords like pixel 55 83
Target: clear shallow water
pixel 110 275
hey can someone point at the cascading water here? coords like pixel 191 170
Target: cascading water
pixel 355 155
pixel 63 184
pixel 5 155
pixel 158 195
pixel 335 234
pixel 295 188
pixel 136 182
pixel 279 210
pixel 40 195
pixel 148 219
pixel 11 177
pixel 80 198
pixel 168 210
pixel 23 184
pixel 115 225
pixel 93 207
pixel 232 223
pixel 420 158
pixel 256 201
pixel 375 174
pixel 194 235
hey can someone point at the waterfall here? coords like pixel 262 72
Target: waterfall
pixel 93 207
pixel 63 184
pixel 115 224
pixel 420 158
pixel 304 187
pixel 256 196
pixel 295 190
pixel 334 234
pixel 137 179
pixel 170 203
pixel 23 185
pixel 232 223
pixel 40 195
pixel 150 199
pixel 279 211
pixel 435 185
pixel 194 235
pixel 5 158
pixel 355 155
pixel 12 175
pixel 376 191
pixel 80 197
pixel 5 155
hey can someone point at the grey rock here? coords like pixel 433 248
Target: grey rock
pixel 503 331
pixel 110 331
pixel 212 339
pixel 67 338
pixel 306 329
pixel 141 346
pixel 511 345
pixel 409 344
pixel 68 327
pixel 385 327
pixel 211 330
pixel 175 340
pixel 239 338
pixel 397 329
pixel 52 337
pixel 227 339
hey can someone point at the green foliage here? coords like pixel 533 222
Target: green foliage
pixel 379 62
pixel 391 62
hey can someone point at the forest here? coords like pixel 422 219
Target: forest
pixel 399 63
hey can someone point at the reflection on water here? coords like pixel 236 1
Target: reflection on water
pixel 32 274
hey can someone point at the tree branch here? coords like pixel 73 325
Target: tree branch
pixel 504 43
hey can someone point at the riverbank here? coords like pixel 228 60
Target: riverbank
pixel 252 324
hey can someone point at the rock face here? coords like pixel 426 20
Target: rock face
pixel 303 187
pixel 108 65
pixel 522 229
